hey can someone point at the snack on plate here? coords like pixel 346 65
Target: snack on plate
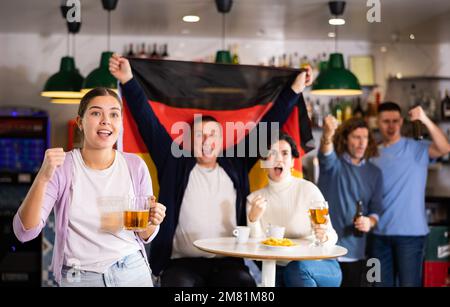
pixel 278 242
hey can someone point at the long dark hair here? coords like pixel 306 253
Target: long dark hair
pixel 340 138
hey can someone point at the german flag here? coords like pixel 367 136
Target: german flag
pixel 177 90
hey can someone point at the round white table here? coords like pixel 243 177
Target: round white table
pixel 253 249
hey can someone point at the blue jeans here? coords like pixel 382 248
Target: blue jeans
pixel 309 273
pixel 401 259
pixel 130 271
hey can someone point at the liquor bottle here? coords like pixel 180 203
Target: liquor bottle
pixel 358 112
pixel 295 61
pixel 317 115
pixel 347 111
pixel 445 107
pixel 234 55
pixel 154 54
pixel 142 54
pixel 358 214
pixel 290 61
pixel 130 52
pixel 377 98
pixel 284 61
pixel 272 61
pixel 372 115
pixel 279 61
pixel 338 112
pixel 165 52
pixel 304 62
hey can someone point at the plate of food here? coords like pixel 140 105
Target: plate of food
pixel 278 244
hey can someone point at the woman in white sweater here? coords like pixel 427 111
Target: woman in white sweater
pixel 285 202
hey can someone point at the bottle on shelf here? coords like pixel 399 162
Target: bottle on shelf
pixel 358 214
pixel 347 111
pixel 295 60
pixel 445 107
pixel 358 111
pixel 377 98
pixel 284 60
pixel 154 54
pixel 130 52
pixel 142 54
pixel 317 115
pixel 290 61
pixel 338 112
pixel 372 115
pixel 235 55
pixel 272 61
pixel 304 61
pixel 164 51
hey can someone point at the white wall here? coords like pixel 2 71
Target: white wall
pixel 27 60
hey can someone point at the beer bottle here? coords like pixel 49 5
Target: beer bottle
pixel 358 214
pixel 339 116
pixel 358 112
pixel 445 107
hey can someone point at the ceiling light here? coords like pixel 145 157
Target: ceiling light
pixel 191 18
pixel 331 34
pixel 411 36
pixel 336 21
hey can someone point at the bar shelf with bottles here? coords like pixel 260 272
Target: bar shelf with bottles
pixel 343 108
pixel 152 51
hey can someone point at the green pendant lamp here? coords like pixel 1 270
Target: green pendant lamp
pixel 335 79
pixel 66 83
pixel 101 77
pixel 223 56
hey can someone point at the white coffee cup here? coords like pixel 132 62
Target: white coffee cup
pixel 242 233
pixel 275 231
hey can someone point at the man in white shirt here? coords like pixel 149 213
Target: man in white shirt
pixel 205 194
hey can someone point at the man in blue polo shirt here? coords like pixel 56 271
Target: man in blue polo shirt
pixel 347 177
pixel 401 232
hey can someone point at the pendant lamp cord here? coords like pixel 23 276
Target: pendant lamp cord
pixel 109 30
pixel 223 31
pixel 68 43
pixel 73 46
pixel 335 38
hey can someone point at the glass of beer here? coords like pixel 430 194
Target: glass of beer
pixel 136 213
pixel 318 212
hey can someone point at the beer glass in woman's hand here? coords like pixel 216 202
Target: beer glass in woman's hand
pixel 136 213
pixel 318 212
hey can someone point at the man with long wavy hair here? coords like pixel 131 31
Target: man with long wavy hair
pixel 346 179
